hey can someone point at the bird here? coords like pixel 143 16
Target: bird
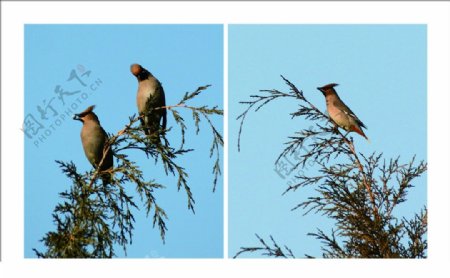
pixel 340 113
pixel 93 139
pixel 150 95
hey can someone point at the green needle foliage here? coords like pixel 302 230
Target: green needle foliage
pixel 197 114
pixel 93 217
pixel 359 192
pixel 271 251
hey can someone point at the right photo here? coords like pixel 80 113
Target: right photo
pixel 327 141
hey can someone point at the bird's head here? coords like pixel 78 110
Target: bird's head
pixel 138 71
pixel 329 88
pixel 86 115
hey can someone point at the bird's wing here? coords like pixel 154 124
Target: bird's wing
pixel 106 138
pixel 164 113
pixel 108 162
pixel 350 113
pixel 146 131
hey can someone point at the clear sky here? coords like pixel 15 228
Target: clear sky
pixel 182 57
pixel 381 70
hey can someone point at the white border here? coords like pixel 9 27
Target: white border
pixel 226 145
pixel 15 14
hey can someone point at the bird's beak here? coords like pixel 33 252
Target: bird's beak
pixel 320 89
pixel 76 117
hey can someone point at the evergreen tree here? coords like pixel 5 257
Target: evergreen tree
pixel 359 192
pixel 93 217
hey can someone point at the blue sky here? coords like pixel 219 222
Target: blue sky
pixel 381 70
pixel 182 57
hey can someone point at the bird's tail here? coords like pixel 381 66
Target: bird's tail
pixel 106 178
pixel 360 132
pixel 152 129
pixel 154 134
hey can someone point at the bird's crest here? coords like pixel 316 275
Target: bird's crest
pixel 86 114
pixel 88 110
pixel 328 86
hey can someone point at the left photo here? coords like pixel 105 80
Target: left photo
pixel 123 131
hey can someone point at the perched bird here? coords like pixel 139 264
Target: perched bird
pixel 94 138
pixel 150 95
pixel 339 112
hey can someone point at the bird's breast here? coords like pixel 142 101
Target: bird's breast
pixel 146 89
pixel 340 117
pixel 93 141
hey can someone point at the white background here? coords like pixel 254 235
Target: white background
pixel 15 14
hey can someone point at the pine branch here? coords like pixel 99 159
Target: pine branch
pixel 266 250
pixel 332 248
pixel 197 114
pixel 82 219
